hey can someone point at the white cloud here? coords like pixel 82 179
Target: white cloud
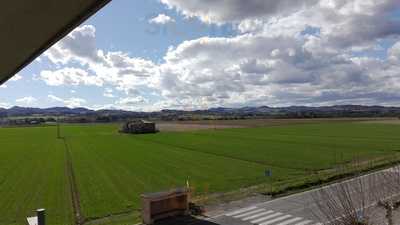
pixel 221 11
pixel 74 102
pixel 27 101
pixel 4 86
pixel 70 102
pixel 284 53
pixel 161 19
pixel 132 101
pixel 38 59
pixel 5 105
pixel 394 52
pixel 342 22
pixel 294 55
pixel 109 93
pixel 78 46
pixel 256 69
pixel 114 68
pixel 70 76
pixel 55 98
pixel 16 77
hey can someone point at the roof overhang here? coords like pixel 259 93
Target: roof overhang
pixel 30 27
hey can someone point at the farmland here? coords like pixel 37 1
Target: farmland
pixel 111 170
pixel 32 175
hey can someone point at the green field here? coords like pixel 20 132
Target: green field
pixel 112 170
pixel 32 175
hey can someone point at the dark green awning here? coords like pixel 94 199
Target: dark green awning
pixel 29 27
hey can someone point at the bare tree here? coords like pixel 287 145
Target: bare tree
pixel 344 203
pixel 388 192
pixel 353 202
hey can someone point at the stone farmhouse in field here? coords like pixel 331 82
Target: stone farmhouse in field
pixel 138 127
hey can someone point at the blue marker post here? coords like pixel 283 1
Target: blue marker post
pixel 268 173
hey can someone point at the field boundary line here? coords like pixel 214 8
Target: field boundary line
pixel 223 156
pixel 228 132
pixel 75 198
pixel 111 217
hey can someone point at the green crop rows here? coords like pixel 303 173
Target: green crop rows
pixel 32 175
pixel 112 170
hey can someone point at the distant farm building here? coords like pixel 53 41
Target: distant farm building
pixel 138 127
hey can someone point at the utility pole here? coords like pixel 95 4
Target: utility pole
pixel 58 128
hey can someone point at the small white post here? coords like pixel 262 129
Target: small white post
pixel 41 216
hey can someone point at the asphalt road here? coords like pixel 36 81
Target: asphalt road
pixel 296 209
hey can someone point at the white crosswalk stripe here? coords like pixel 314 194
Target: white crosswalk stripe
pixel 261 216
pixel 249 213
pixel 258 215
pixel 290 221
pixel 241 211
pixel 276 220
pixel 262 219
pixel 304 222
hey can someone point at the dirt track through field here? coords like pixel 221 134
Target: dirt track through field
pixel 78 216
pixel 393 121
pixel 182 127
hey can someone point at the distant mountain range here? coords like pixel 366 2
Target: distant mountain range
pixel 291 111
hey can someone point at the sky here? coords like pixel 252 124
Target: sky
pixel 195 54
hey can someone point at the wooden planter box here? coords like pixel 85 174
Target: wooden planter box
pixel 161 205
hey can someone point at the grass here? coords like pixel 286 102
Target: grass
pixel 32 175
pixel 310 147
pixel 112 169
pixel 107 165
